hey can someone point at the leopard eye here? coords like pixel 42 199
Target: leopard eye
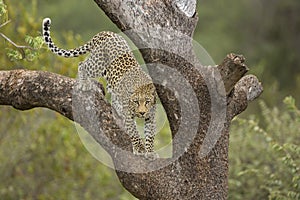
pixel 136 102
pixel 147 102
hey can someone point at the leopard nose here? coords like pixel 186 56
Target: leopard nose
pixel 142 113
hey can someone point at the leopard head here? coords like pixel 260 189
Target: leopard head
pixel 143 100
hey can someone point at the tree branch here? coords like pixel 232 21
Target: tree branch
pixel 25 89
pixel 245 91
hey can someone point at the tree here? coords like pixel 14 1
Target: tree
pixel 162 30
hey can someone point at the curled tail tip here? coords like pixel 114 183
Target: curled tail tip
pixel 46 21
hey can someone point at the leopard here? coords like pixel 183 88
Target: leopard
pixel 133 94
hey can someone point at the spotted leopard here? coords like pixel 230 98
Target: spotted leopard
pixel 133 93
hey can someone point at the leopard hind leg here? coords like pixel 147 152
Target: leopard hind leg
pixel 87 70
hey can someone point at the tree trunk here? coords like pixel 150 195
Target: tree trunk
pixel 200 102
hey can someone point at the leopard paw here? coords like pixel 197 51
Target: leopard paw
pixel 151 155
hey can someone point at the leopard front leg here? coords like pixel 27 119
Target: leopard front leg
pixel 136 140
pixel 150 131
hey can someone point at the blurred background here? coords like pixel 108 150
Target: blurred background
pixel 42 157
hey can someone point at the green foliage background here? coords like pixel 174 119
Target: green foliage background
pixel 42 157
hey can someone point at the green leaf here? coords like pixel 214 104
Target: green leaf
pixel 13 54
pixel 3 9
pixel 290 103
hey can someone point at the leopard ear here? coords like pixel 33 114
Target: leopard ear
pixel 154 93
pixel 156 98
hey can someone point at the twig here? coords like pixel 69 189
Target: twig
pixel 20 47
pixel 17 46
pixel 5 23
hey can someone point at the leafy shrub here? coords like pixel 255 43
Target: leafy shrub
pixel 265 154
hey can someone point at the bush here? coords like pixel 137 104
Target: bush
pixel 265 154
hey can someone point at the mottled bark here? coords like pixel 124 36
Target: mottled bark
pixel 162 30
